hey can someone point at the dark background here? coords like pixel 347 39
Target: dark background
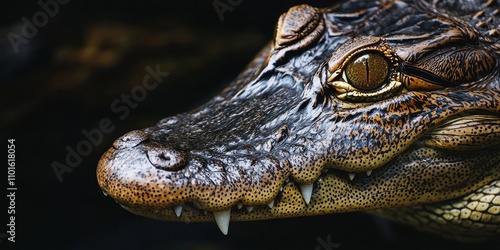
pixel 66 77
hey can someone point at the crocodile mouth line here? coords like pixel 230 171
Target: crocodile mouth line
pixel 189 210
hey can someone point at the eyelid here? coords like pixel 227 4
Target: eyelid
pixel 342 55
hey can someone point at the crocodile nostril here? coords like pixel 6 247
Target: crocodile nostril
pixel 166 158
pixel 130 139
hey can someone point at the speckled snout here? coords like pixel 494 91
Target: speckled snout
pixel 141 170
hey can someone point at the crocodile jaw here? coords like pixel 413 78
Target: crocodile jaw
pixel 284 182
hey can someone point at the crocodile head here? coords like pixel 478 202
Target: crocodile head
pixel 364 105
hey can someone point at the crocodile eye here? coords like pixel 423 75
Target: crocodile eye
pixel 367 71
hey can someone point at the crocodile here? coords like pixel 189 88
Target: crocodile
pixel 385 107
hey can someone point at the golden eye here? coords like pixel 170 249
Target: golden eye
pixel 364 70
pixel 367 71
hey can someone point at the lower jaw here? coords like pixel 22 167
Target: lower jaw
pixel 332 194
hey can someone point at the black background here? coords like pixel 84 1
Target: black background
pixel 48 97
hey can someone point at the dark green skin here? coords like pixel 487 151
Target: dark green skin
pixel 424 144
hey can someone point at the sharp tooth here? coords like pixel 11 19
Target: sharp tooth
pixel 249 209
pixel 271 204
pixel 240 205
pixel 178 210
pixel 368 173
pixel 351 176
pixel 105 194
pixel 306 190
pixel 222 220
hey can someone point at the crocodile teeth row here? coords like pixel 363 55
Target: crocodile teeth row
pixel 306 189
pixel 222 218
pixel 352 175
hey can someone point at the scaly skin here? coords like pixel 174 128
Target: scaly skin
pixel 389 107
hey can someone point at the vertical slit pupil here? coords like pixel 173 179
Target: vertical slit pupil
pixel 367 71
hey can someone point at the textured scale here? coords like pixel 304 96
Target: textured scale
pixel 411 134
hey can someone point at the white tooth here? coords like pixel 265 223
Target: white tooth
pixel 249 209
pixel 368 173
pixel 222 220
pixel 306 190
pixel 271 204
pixel 178 210
pixel 240 205
pixel 351 176
pixel 105 194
